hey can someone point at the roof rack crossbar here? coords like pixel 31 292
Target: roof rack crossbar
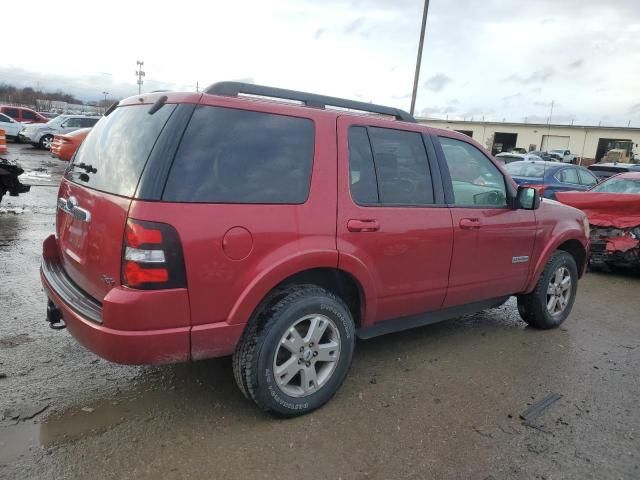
pixel 233 89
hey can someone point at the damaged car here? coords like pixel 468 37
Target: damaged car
pixel 613 210
pixel 9 173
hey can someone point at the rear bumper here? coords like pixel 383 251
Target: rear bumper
pixel 84 319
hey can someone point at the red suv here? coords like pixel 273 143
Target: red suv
pixel 22 114
pixel 192 226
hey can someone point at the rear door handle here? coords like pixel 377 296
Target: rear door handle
pixel 363 225
pixel 468 223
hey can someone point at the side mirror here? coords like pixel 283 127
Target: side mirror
pixel 527 198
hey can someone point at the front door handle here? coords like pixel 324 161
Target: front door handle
pixel 355 225
pixel 469 223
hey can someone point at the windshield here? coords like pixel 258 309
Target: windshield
pixel 57 121
pixel 525 169
pixel 619 185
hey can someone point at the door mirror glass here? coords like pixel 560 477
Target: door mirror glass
pixel 527 199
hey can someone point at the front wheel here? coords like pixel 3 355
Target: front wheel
pixel 46 141
pixel 551 301
pixel 296 352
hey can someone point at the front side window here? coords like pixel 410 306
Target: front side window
pixel 476 181
pixel 12 112
pixel 88 122
pixel 28 115
pixel 568 175
pixel 237 156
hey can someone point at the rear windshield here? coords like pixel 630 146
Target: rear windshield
pixel 238 156
pixel 619 185
pixel 525 169
pixel 113 155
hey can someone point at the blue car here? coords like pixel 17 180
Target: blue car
pixel 551 177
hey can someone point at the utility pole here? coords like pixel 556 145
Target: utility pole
pixel 549 124
pixel 140 74
pixel 419 60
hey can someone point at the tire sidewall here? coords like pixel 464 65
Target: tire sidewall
pixel 267 390
pixel 563 260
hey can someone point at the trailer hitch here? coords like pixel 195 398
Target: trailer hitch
pixel 54 317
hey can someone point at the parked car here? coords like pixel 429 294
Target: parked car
pixel 548 178
pixel 22 114
pixel 505 158
pixel 49 115
pixel 64 146
pixel 192 226
pixel 41 136
pixel 564 155
pixel 613 210
pixel 518 150
pixel 606 170
pixel 547 157
pixel 11 127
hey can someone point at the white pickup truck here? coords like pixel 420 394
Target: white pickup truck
pixel 565 155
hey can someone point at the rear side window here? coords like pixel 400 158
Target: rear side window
pixel 88 122
pixel 238 156
pixel 113 156
pixel 362 173
pixel 12 112
pixel 587 178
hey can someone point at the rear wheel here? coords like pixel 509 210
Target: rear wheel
pixel 551 301
pixel 45 142
pixel 296 352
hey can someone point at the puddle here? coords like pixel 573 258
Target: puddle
pixel 73 424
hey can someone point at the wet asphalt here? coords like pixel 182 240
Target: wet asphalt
pixel 441 401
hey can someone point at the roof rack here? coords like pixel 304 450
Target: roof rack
pixel 233 89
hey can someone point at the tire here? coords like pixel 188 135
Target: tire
pixel 45 142
pixel 275 345
pixel 538 308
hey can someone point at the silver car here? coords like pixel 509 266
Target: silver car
pixel 41 134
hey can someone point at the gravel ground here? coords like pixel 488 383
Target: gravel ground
pixel 441 401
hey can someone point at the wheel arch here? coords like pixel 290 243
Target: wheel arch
pixel 318 268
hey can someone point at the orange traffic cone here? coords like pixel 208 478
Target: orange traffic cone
pixel 3 142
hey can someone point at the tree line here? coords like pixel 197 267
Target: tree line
pixel 27 96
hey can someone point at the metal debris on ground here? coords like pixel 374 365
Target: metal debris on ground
pixel 537 408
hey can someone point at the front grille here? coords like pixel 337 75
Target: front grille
pixel 73 296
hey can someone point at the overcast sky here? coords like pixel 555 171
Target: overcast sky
pixel 492 58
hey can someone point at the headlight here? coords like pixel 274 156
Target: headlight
pixel 585 226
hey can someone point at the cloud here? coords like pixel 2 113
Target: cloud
pixel 454 101
pixel 546 104
pixel 437 82
pixel 577 63
pixel 319 32
pixel 353 26
pixel 536 91
pixel 539 76
pixel 511 97
pixel 634 108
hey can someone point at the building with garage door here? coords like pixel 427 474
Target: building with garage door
pixel 588 143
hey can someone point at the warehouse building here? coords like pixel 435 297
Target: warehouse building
pixel 588 142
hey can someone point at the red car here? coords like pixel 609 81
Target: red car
pixel 192 226
pixel 65 145
pixel 22 114
pixel 613 210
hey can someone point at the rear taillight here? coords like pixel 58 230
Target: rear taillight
pixel 152 256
